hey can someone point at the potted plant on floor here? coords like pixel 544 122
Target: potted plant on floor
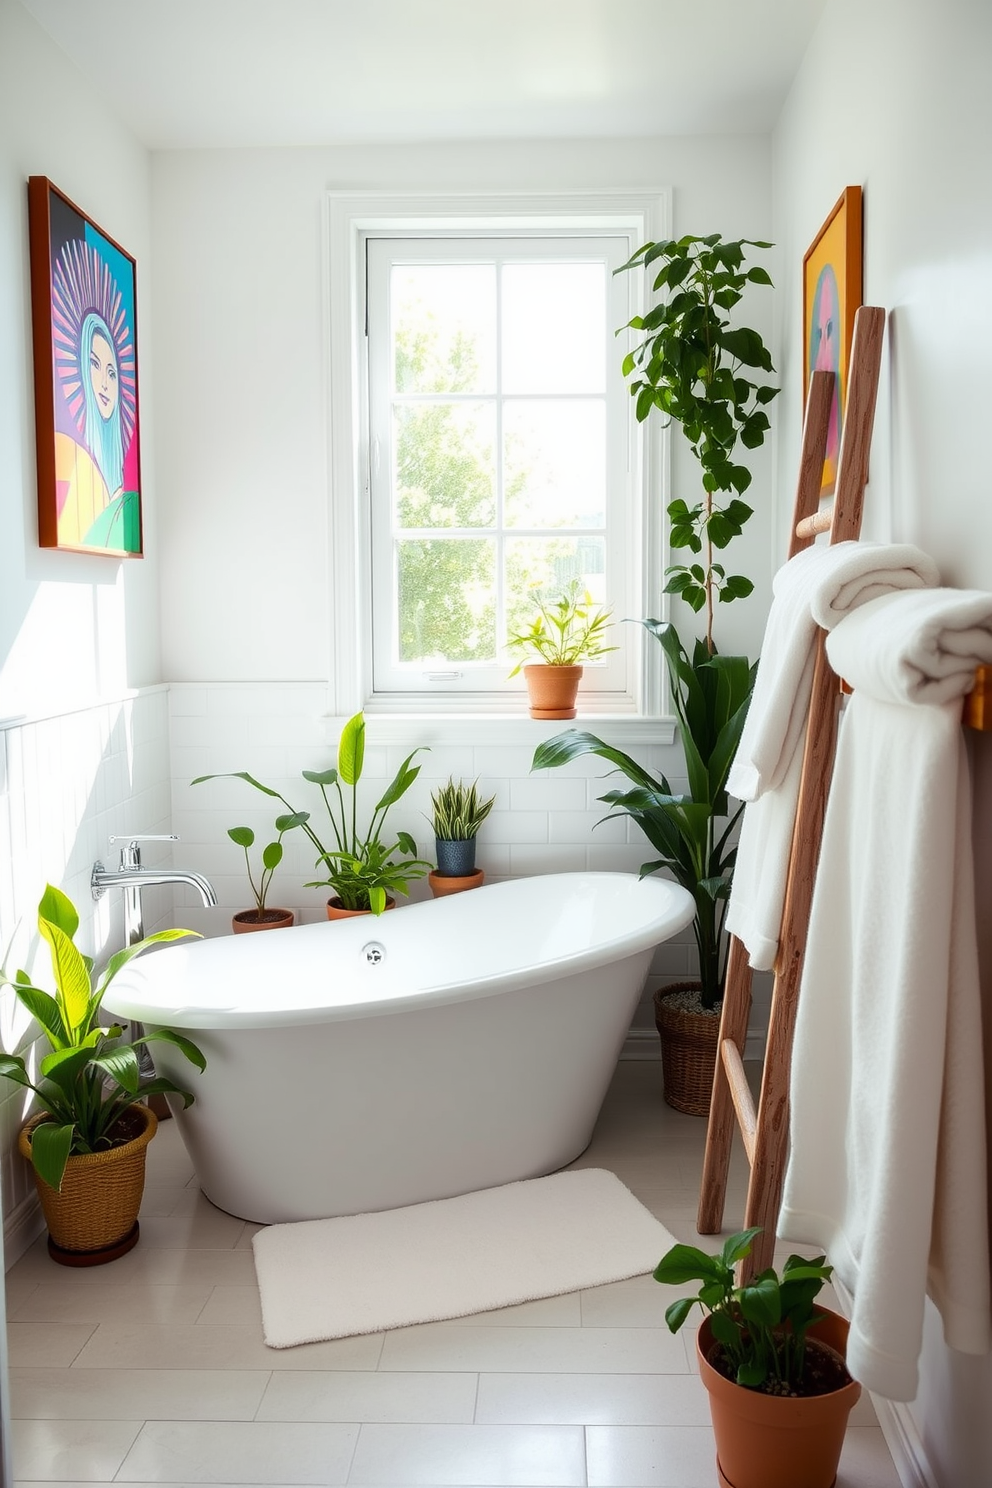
pixel 457 813
pixel 87 1145
pixel 694 367
pixel 262 917
pixel 364 871
pixel 567 630
pixel 773 1364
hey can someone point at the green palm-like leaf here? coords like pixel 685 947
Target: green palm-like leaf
pixel 50 1148
pixel 351 750
pixel 72 980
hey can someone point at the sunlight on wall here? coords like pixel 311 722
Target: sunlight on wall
pixel 70 647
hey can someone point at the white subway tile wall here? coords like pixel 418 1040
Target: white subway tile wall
pixel 67 784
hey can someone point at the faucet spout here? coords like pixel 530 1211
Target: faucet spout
pixel 102 879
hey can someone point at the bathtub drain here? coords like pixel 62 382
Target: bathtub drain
pixel 374 952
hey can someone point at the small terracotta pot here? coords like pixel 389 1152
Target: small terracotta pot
pixel 447 883
pixel 247 921
pixel 766 1441
pixel 552 689
pixel 337 911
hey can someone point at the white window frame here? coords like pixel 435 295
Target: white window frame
pixel 639 216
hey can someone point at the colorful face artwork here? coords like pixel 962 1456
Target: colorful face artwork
pixel 97 472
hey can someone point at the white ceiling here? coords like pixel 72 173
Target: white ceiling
pixel 195 73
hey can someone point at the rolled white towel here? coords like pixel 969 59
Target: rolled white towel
pixel 915 648
pixel 817 587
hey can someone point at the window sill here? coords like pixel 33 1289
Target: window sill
pixel 411 727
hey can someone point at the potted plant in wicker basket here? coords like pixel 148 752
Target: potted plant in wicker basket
pixel 457 813
pixel 772 1363
pixel 87 1144
pixel 695 368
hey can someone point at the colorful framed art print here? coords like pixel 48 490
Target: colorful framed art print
pixel 832 289
pixel 86 380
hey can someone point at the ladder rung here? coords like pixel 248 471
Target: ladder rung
pixel 818 522
pixel 740 1094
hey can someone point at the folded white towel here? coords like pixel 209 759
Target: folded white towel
pixel 887 1170
pixel 817 587
pixel 918 648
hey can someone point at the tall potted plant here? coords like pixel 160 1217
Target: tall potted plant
pixel 695 367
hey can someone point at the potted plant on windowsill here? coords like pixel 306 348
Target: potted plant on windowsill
pixel 87 1144
pixel 567 630
pixel 772 1363
pixel 364 871
pixel 262 917
pixel 695 368
pixel 458 812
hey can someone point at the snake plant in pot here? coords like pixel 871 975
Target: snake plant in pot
pixel 695 367
pixel 457 813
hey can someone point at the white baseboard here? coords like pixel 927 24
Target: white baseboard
pixel 642 1043
pixel 21 1228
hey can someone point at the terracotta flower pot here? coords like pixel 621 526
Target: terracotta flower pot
pixel 552 689
pixel 337 911
pixel 447 883
pixel 246 920
pixel 688 1049
pixel 93 1217
pixel 771 1441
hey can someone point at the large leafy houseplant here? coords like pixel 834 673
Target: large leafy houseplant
pixel 694 366
pixel 362 868
pixel 90 1079
pixel 692 832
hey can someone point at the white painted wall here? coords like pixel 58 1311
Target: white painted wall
pixel 72 627
pixel 241 392
pixel 894 96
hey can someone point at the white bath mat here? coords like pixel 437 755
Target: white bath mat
pixel 362 1273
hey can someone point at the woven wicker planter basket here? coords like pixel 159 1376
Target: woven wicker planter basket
pixel 688 1051
pixel 96 1208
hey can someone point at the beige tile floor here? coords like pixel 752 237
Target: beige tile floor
pixel 153 1370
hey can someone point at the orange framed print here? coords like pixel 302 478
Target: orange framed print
pixel 832 289
pixel 83 287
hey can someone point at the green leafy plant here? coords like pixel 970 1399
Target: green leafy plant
pixel 458 810
pixel 760 1326
pixel 568 628
pixel 362 869
pixel 91 1076
pixel 692 833
pixel 694 366
pixel 272 854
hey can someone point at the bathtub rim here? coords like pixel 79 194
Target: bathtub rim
pixel 124 1001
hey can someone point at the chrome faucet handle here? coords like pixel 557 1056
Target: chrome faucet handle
pixel 131 852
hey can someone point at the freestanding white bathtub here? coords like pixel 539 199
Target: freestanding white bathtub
pixel 444 1047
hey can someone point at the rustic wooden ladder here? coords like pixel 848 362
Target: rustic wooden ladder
pixel 765 1130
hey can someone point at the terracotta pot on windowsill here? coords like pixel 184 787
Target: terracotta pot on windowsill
pixel 552 689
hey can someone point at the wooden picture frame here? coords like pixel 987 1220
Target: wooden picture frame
pixel 832 291
pixel 83 311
